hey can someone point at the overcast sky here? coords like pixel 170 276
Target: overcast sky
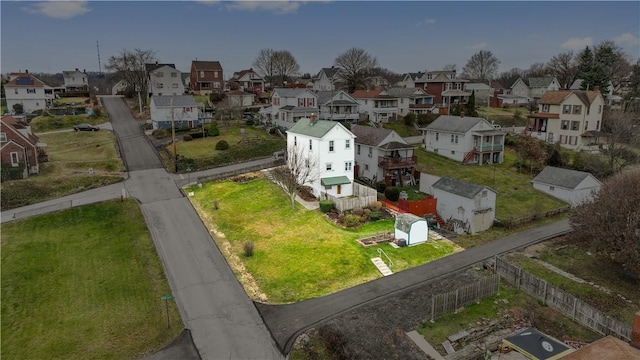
pixel 408 36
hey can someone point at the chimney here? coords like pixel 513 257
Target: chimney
pixel 312 119
pixel 635 331
pixel 77 69
pixel 84 71
pixel 26 71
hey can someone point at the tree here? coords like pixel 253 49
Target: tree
pixel 299 170
pixel 18 109
pixel 389 76
pixel 632 97
pixel 450 67
pixel 621 131
pixel 285 65
pixel 563 67
pixel 586 68
pixel 482 65
pixel 470 106
pixel 592 68
pixel 356 65
pixel 610 225
pixel 130 67
pixel 264 65
pixel 537 70
pixel 508 78
pixel 613 63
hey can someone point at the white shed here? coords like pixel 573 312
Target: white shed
pixel 574 187
pixel 412 228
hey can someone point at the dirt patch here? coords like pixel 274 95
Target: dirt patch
pixel 376 239
pixel 306 194
pixel 247 177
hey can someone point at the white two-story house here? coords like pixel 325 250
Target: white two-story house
pixel 290 105
pixel 569 117
pixel 470 140
pixel 29 91
pixel 337 106
pixel 383 155
pixel 330 147
pixel 533 88
pixel 326 79
pixel 164 80
pixel 412 100
pixel 75 81
pixel 184 109
pixel 377 105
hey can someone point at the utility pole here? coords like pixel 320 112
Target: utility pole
pixel 173 136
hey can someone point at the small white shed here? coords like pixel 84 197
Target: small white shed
pixel 574 187
pixel 412 228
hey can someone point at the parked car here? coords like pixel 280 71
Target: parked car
pixel 85 127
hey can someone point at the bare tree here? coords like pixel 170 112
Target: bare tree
pixel 621 132
pixel 264 64
pixel 389 76
pixel 450 67
pixel 299 170
pixel 537 70
pixel 285 65
pixel 482 65
pixel 130 67
pixel 610 225
pixel 563 66
pixel 508 78
pixel 356 65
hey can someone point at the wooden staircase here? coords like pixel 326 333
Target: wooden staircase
pixel 469 156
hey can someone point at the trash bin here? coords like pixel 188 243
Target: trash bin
pixel 402 242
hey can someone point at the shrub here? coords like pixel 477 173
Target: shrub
pixel 374 216
pixel 213 130
pixel 358 211
pixel 187 137
pixel 381 186
pixel 250 122
pixel 341 218
pixel 248 248
pixel 351 220
pixel 392 193
pixel 326 205
pixel 410 119
pixel 375 205
pixel 222 145
pixel 366 212
pixel 160 133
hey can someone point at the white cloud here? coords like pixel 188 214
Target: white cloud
pixel 627 39
pixel 58 9
pixel 426 21
pixel 278 7
pixel 478 46
pixel 577 43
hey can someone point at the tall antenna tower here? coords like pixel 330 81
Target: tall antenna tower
pixel 99 64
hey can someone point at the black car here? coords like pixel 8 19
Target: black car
pixel 85 127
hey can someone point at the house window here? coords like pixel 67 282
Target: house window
pixel 202 74
pixel 366 167
pixel 586 125
pixel 331 146
pixel 600 109
pixel 310 144
pixel 597 125
pixel 577 109
pixel 14 159
pixel 564 125
pixel 329 167
pixel 402 101
pixel 295 141
pixel 31 91
pixel 175 86
pixel 37 103
pixel 484 194
pixel 550 137
pixel 575 125
pixel 458 86
pixel 216 85
pixel 347 144
pixel 370 151
pixel 215 74
pixel 452 138
pixel 3 137
pixel 174 74
pixel 453 152
pixel 358 149
pixel 437 136
pixel 347 166
pixel 566 109
pixel 160 86
pixel 15 91
pixel 551 188
pixel 457 139
pixel 545 108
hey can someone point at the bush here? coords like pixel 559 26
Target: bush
pixel 375 205
pixel 187 137
pixel 374 216
pixel 392 193
pixel 366 212
pixel 381 186
pixel 351 220
pixel 410 119
pixel 248 248
pixel 358 211
pixel 160 133
pixel 222 145
pixel 326 205
pixel 213 130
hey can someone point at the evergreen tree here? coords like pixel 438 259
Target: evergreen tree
pixel 470 107
pixel 457 110
pixel 586 66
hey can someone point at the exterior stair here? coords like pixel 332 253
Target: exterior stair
pixel 384 269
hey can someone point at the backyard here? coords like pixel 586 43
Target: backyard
pixel 298 254
pixel 45 123
pixel 84 283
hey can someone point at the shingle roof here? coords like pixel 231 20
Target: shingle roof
pixel 26 80
pixel 329 72
pixel 458 187
pixel 396 145
pixel 238 75
pixel 566 178
pixel 291 93
pixel 413 76
pixel 325 97
pixel 151 67
pixel 366 94
pixel 538 81
pixel 207 65
pixel 368 135
pixel 455 124
pixel 317 129
pixel 556 97
pixel 178 100
pixel 407 92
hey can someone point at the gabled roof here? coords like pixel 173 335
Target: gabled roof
pixel 556 97
pixel 25 80
pixel 607 348
pixel 178 100
pixel 396 145
pixel 151 67
pixel 459 187
pixel 329 72
pixel 407 92
pixel 291 93
pixel 206 65
pixel 413 76
pixel 316 129
pixel 368 135
pixel 324 97
pixel 455 124
pixel 405 220
pixel 71 72
pixel 11 122
pixel 537 82
pixel 370 94
pixel 238 75
pixel 566 178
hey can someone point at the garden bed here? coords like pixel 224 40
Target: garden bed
pixel 376 239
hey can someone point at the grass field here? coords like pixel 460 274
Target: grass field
pixel 402 130
pixel 298 254
pixel 72 100
pixel 71 155
pixel 83 283
pixel 42 124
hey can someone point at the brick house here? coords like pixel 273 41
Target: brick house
pixel 206 77
pixel 19 150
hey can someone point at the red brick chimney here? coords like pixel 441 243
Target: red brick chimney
pixel 635 331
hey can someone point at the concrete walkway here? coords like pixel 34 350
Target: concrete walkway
pixel 424 345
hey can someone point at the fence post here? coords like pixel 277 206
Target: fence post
pixel 518 278
pixel 498 287
pixel 456 308
pixel 573 313
pixel 433 307
pixel 544 297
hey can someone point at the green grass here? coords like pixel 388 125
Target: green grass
pixel 516 196
pixel 46 123
pixel 402 129
pixel 71 154
pixel 299 254
pixel 71 100
pixel 83 283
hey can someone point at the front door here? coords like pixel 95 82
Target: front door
pixel 339 189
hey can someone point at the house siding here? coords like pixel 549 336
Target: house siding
pixel 161 82
pixel 582 193
pixel 453 206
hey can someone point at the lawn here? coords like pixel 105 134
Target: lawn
pixel 83 283
pixel 46 123
pixel 298 254
pixel 402 129
pixel 71 155
pixel 516 196
pixel 71 100
pixel 202 99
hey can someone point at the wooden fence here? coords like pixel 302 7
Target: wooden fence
pixel 447 303
pixel 362 197
pixel 563 301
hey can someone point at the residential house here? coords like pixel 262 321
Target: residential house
pixel 469 208
pixel 483 90
pixel 412 100
pixel 470 140
pixel 509 100
pixel 409 79
pixel 239 98
pixel 164 80
pixel 179 110
pixel 533 88
pixel 383 155
pixel 303 83
pixel 572 186
pixel 326 79
pixel 447 89
pixel 75 81
pixel 206 77
pixel 613 101
pixel 119 88
pixel 377 105
pixel 572 118
pixel 186 78
pixel 29 91
pixel 249 81
pixel 329 147
pixel 20 150
pixel 290 105
pixel 337 105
